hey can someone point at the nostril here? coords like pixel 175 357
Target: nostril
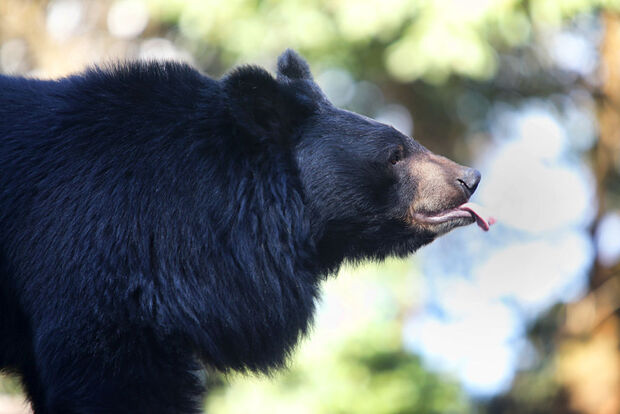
pixel 470 180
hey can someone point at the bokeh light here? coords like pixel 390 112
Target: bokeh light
pixel 522 318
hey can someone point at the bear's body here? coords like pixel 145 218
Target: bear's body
pixel 153 219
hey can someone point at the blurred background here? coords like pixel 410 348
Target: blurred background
pixel 522 319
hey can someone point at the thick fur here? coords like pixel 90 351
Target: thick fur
pixel 153 219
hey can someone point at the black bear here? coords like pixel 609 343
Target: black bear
pixel 153 220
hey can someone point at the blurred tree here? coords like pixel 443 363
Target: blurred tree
pixel 447 62
pixel 580 342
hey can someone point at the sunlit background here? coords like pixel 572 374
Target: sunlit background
pixel 522 319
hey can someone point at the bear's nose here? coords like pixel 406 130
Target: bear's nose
pixel 469 180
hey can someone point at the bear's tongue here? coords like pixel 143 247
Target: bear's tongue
pixel 478 212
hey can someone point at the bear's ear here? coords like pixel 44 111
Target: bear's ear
pixel 263 107
pixel 293 66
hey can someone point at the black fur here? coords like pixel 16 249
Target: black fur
pixel 153 219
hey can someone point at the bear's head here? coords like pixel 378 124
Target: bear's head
pixel 370 190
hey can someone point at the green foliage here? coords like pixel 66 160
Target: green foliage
pixel 367 374
pixel 408 39
pixel 357 365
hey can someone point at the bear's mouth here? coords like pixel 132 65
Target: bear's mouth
pixel 467 212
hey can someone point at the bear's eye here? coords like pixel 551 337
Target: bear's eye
pixel 397 155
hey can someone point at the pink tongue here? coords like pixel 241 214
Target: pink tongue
pixel 478 212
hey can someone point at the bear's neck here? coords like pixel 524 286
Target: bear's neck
pixel 260 274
